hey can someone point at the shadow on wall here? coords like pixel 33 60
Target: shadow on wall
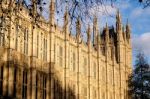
pixel 58 91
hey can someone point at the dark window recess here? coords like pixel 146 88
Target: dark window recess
pixel 24 85
pixel 15 82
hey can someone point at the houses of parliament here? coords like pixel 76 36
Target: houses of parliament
pixel 41 60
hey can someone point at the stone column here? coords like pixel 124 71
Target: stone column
pixel 33 83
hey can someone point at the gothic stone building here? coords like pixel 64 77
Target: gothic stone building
pixel 40 60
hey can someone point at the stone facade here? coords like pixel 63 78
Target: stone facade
pixel 40 60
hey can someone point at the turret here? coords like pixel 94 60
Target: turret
pixel 95 31
pixel 128 31
pixel 52 13
pixel 88 35
pixel 119 27
pixel 107 35
pixel 78 28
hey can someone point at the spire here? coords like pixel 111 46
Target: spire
pixel 118 15
pixel 78 28
pixel 52 12
pixel 66 21
pixel 88 35
pixel 95 30
pixel 118 21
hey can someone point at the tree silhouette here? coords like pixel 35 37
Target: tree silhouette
pixel 139 82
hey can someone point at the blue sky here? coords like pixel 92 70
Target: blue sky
pixel 132 10
pixel 139 19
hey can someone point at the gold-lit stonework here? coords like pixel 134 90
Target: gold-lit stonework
pixel 40 60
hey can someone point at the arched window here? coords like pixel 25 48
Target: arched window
pixel 37 46
pixel 41 47
pixel 85 66
pixel 103 74
pixel 74 62
pixel 26 42
pixel 16 41
pixel 2 35
pixel 45 50
pixel 2 32
pixel 60 56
